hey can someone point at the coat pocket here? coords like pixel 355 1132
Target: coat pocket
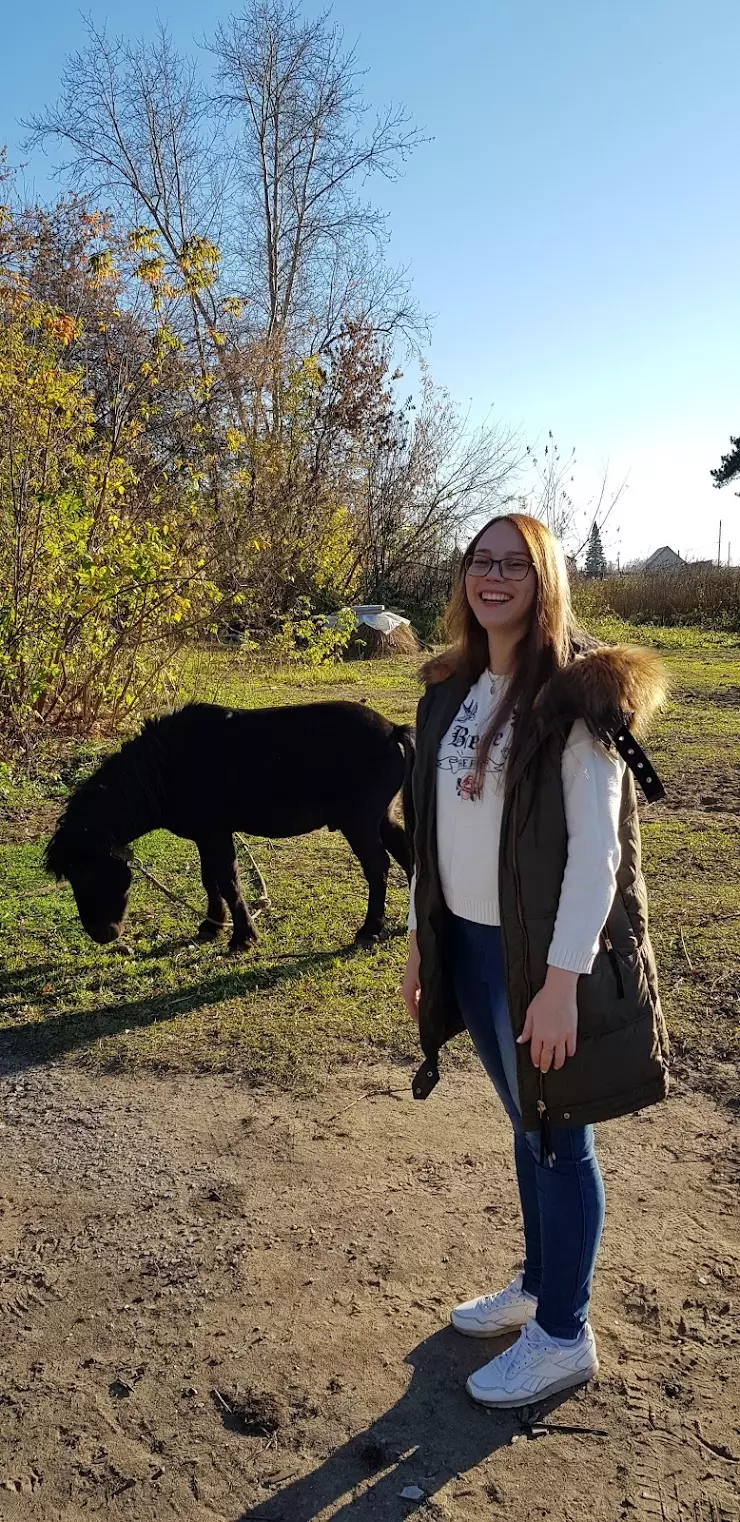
pixel 606 942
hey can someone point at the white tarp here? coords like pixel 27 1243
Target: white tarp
pixel 383 621
pixel 376 617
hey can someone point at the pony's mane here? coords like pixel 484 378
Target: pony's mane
pixel 115 803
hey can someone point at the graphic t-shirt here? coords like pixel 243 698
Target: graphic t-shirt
pixel 469 824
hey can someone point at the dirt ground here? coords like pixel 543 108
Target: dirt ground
pixel 220 1303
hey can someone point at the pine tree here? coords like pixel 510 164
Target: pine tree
pixel 729 466
pixel 595 557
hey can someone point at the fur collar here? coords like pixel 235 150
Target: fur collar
pixel 607 685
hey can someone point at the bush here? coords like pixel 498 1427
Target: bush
pixel 308 638
pixel 92 595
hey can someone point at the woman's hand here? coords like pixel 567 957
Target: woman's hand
pixel 410 985
pixel 551 1025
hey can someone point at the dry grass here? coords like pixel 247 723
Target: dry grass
pixel 708 598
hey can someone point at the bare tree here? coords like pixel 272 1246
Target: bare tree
pixel 139 134
pixel 260 189
pixel 306 150
pixel 427 479
pixel 553 497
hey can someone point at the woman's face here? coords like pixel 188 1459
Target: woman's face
pixel 502 596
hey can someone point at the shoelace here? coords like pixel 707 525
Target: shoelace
pixel 529 1346
pixel 501 1297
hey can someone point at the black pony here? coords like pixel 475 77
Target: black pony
pixel 205 771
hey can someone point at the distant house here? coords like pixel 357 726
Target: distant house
pixel 665 559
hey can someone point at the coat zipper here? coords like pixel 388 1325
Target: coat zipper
pixel 547 1156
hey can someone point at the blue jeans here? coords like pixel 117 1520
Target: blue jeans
pixel 562 1203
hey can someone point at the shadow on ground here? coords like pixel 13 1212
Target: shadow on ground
pixel 433 1435
pixel 33 1042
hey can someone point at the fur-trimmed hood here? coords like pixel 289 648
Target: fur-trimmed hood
pixel 606 685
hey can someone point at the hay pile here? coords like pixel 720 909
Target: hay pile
pixel 370 644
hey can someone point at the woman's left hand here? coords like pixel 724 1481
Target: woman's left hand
pixel 551 1025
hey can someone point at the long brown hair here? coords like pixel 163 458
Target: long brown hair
pixel 546 645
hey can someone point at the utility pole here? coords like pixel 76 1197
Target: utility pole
pixel 719 544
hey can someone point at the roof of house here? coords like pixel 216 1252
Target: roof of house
pixel 664 553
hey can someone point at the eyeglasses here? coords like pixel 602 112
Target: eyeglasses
pixel 511 567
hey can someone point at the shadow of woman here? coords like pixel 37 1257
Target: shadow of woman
pixel 433 1434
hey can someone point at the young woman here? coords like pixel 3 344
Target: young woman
pixel 529 919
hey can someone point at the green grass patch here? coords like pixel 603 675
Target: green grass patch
pixel 693 875
pixel 306 998
pixel 305 994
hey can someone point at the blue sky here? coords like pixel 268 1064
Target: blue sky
pixel 574 226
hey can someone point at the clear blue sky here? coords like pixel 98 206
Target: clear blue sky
pixel 574 227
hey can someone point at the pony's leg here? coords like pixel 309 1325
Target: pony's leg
pixel 244 929
pixel 218 913
pixel 363 835
pixel 395 840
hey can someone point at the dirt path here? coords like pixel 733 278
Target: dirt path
pixel 231 1304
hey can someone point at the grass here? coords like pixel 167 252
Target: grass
pixel 307 999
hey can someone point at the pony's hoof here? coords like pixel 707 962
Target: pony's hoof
pixel 367 938
pixel 237 948
pixel 208 930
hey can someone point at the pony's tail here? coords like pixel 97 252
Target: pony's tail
pixel 406 737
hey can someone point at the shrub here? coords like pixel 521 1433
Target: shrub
pixel 309 638
pixel 93 590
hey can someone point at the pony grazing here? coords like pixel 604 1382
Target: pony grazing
pixel 205 771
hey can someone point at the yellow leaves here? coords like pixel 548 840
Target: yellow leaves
pixel 312 371
pixel 151 270
pixel 235 439
pixel 143 240
pixel 233 306
pixel 166 341
pixel 199 260
pixel 103 266
pixel 203 387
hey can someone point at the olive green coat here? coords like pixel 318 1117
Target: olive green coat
pixel 620 1062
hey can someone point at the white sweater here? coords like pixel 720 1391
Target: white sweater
pixel 469 828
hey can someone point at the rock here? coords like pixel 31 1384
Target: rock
pixel 412 1493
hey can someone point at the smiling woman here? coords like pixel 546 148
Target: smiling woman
pixel 529 920
pixel 506 572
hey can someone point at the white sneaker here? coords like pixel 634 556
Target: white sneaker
pixel 492 1315
pixel 533 1368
